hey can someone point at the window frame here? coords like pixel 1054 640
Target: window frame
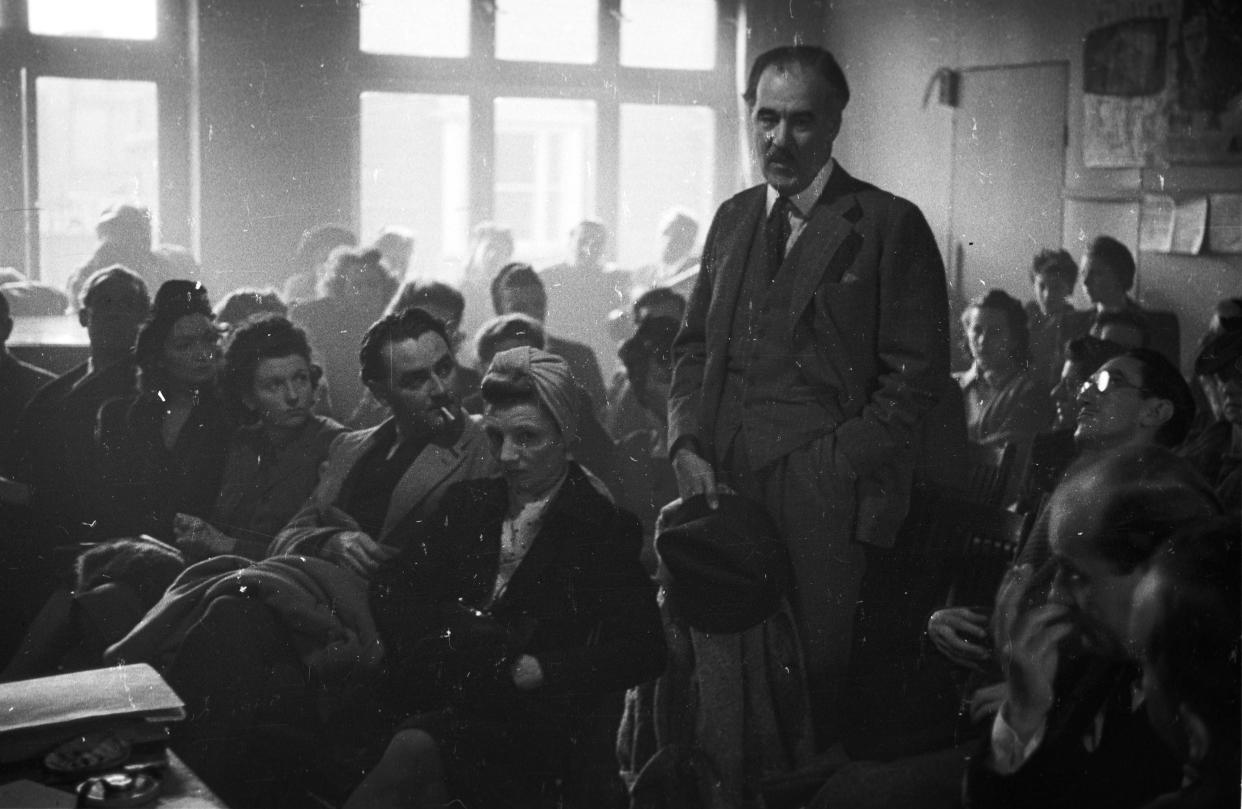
pixel 483 78
pixel 167 61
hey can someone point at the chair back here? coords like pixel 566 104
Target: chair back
pixel 989 470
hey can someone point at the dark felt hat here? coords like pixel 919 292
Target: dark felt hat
pixel 728 567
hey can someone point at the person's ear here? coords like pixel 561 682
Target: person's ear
pixel 84 317
pixel 252 404
pixel 1156 412
pixel 378 389
pixel 1198 736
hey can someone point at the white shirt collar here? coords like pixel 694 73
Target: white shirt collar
pixel 805 199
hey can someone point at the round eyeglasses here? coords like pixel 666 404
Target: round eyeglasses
pixel 1106 381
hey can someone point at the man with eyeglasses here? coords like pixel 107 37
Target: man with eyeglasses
pixel 1136 399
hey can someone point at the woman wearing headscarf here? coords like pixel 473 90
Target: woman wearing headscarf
pixel 512 618
pixel 162 450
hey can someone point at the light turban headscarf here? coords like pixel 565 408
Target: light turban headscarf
pixel 553 382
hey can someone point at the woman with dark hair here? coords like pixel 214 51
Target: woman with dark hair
pixel 162 450
pixel 1004 402
pixel 273 458
pixel 535 576
pixel 354 292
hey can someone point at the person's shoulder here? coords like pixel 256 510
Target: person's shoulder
pixel 756 194
pixel 326 430
pixel 570 350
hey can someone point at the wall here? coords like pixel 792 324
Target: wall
pixel 276 126
pixel 889 50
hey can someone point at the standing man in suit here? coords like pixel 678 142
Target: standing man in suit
pixel 380 482
pixel 815 342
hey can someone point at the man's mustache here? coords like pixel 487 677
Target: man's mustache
pixel 778 153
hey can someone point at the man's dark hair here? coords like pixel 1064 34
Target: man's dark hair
pixel 1015 317
pixel 658 296
pixel 516 275
pixel 1141 496
pixel 1089 353
pixel 1116 256
pixel 1057 264
pixel 1126 319
pixel 1194 642
pixel 434 293
pixel 1162 380
pixel 806 57
pixel 408 324
pixel 513 326
pixel 247 302
pixel 322 238
pixel 652 342
pixel 133 290
pixel 262 337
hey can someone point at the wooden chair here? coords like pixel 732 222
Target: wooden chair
pixel 950 552
pixel 989 472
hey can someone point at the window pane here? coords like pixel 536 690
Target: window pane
pixel 415 165
pixel 545 172
pixel 678 34
pixel 667 160
pixel 416 27
pixel 107 19
pixel 547 30
pixel 98 146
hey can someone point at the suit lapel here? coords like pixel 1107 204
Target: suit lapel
pixel 734 254
pixel 336 487
pixel 818 254
pixel 435 463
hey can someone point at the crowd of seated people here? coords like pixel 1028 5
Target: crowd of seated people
pixel 289 502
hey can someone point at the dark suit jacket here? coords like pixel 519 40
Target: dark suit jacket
pixel 1128 766
pixel 596 628
pixel 417 494
pixel 870 315
pixel 53 447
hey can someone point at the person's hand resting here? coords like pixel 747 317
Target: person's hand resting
pixel 1026 644
pixel 694 475
pixel 527 674
pixel 354 550
pixel 960 634
pixel 199 539
pixel 986 701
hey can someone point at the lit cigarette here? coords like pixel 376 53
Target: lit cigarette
pixel 448 414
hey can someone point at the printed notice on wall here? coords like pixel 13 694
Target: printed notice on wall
pixel 1156 229
pixel 1190 225
pixel 1225 223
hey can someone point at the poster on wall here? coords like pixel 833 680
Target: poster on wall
pixel 1162 81
pixel 1125 74
pixel 1205 109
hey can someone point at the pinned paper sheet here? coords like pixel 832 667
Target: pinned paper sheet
pixel 1190 225
pixel 1172 226
pixel 1225 223
pixel 1156 233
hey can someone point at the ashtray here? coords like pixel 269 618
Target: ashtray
pixel 118 790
